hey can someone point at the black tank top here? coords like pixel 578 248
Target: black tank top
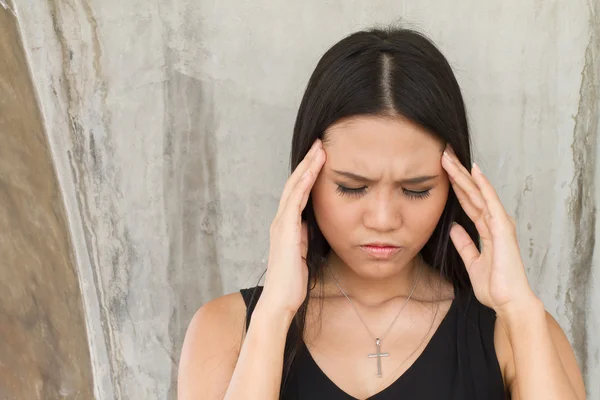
pixel 458 363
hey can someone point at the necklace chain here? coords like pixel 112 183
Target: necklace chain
pixel 397 315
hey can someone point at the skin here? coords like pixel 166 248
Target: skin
pixel 405 214
pixel 531 348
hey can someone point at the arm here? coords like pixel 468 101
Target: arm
pixel 258 371
pixel 213 367
pixel 543 365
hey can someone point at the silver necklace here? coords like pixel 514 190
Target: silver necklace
pixel 378 354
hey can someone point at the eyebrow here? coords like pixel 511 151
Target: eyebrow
pixel 407 181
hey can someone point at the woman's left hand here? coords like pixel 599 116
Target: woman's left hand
pixel 497 272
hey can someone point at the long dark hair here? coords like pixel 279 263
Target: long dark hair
pixel 384 72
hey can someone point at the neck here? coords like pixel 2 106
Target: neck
pixel 365 291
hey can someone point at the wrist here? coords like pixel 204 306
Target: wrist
pixel 519 313
pixel 264 311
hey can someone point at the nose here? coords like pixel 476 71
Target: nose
pixel 382 213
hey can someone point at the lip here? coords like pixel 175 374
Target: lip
pixel 380 244
pixel 380 251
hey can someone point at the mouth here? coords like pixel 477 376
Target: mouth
pixel 380 250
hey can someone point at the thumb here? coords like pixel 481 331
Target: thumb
pixel 464 245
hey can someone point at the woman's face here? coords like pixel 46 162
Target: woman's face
pixel 382 183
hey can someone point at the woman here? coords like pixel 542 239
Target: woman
pixel 377 286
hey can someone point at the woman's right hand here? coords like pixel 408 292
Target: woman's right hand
pixel 286 280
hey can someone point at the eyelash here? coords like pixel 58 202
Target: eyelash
pixel 351 192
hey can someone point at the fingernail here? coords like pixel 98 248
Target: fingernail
pixel 476 168
pixel 318 151
pixel 448 156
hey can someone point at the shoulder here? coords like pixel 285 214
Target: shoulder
pixel 212 343
pixel 561 344
pixel 504 349
pixel 221 314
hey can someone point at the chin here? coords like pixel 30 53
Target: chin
pixel 367 266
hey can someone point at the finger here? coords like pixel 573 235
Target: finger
pixel 463 179
pixel 464 183
pixel 464 200
pixel 493 203
pixel 304 240
pixel 455 158
pixel 464 245
pixel 297 174
pixel 457 162
pixel 298 171
pixel 298 197
pixel 513 222
pixel 475 214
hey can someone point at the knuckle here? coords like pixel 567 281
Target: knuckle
pixel 502 225
pixel 508 222
pixel 482 217
pixel 464 247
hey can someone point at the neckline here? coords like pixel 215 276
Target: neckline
pixel 408 371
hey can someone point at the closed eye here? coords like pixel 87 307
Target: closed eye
pixel 350 192
pixel 417 195
pixel 356 192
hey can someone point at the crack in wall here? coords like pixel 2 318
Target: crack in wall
pixel 77 162
pixel 582 204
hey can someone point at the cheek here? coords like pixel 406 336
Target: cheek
pixel 427 218
pixel 331 211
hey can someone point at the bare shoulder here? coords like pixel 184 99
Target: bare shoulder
pixel 567 355
pixel 223 315
pixel 211 348
pixel 505 356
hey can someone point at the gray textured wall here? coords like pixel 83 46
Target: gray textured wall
pixel 44 352
pixel 169 125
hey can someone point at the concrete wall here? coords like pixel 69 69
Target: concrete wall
pixel 44 351
pixel 169 127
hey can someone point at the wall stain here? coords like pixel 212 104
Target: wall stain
pixel 192 200
pixel 83 181
pixel 582 203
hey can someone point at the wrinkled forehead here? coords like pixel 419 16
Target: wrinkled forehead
pixel 376 142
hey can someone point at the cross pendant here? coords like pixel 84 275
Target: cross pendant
pixel 378 354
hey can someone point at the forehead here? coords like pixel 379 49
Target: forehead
pixel 367 141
